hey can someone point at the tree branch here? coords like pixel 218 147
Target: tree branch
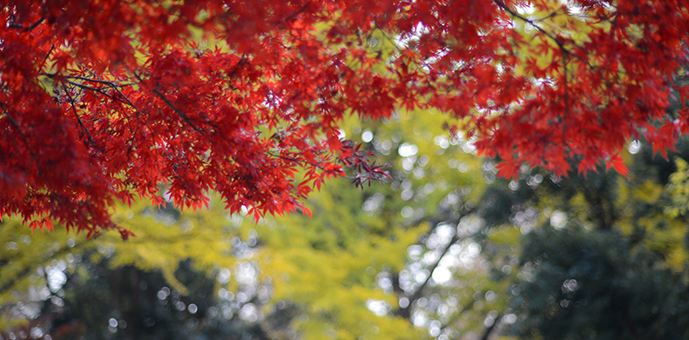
pixel 490 329
pixel 173 107
pixel 76 115
pixel 179 113
pixel 21 134
pixel 47 56
pixel 27 28
pixel 405 312
pixel 558 41
pixel 299 11
pixel 29 269
pixel 419 291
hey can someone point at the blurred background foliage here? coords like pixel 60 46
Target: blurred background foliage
pixel 446 250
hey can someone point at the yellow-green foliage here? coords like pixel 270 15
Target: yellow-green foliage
pixel 328 265
pixel 160 244
pixel 640 208
pixel 678 189
pixel 662 224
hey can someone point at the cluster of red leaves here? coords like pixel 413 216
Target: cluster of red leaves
pixel 609 89
pixel 365 170
pixel 104 100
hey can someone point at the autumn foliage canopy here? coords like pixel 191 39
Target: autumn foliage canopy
pixel 104 101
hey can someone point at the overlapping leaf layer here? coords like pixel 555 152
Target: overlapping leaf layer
pixel 105 100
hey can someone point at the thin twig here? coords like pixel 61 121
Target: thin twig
pixel 27 28
pixel 104 82
pixel 90 88
pixel 299 11
pixel 30 28
pixel 566 116
pixel 21 134
pixel 115 86
pixel 298 161
pixel 179 113
pixel 47 56
pixel 558 41
pixel 172 106
pixel 74 109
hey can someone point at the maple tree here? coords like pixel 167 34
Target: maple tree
pixel 102 101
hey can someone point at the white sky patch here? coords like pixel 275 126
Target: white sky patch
pixel 634 147
pixel 246 274
pixel 529 9
pixel 469 147
pixel 223 276
pixel 377 307
pixel 442 275
pixel 367 136
pixel 249 313
pixel 407 212
pixel 445 231
pixel 442 141
pixel 558 219
pixel 407 150
pixel 56 278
